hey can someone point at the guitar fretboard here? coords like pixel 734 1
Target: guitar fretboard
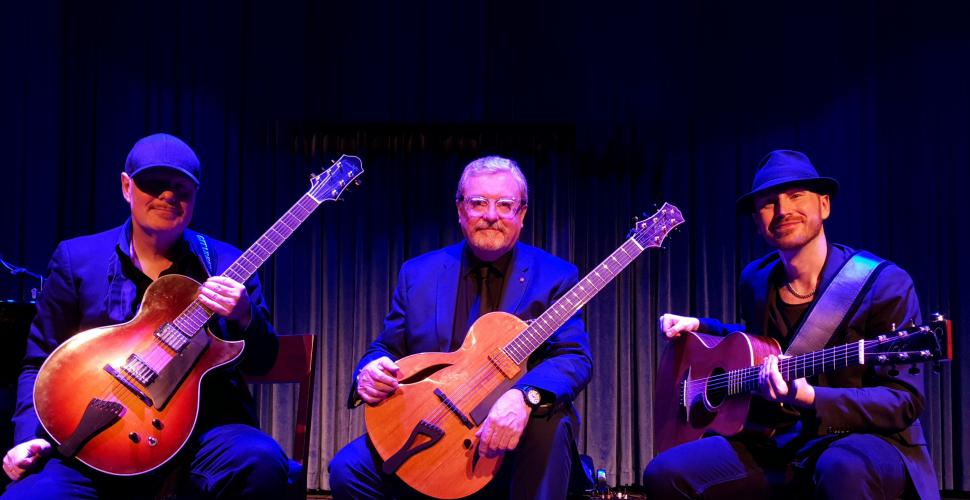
pixel 805 365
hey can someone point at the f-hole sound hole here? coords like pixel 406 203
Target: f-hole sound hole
pixel 716 391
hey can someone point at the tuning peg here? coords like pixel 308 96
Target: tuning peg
pixel 358 183
pixel 636 218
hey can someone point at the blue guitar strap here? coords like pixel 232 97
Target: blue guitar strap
pixel 837 299
pixel 205 253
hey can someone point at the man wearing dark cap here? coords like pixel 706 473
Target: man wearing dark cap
pixel 849 433
pixel 99 280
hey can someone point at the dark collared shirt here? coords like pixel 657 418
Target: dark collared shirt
pixel 468 291
pixel 184 262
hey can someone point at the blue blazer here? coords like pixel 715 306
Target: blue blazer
pixel 423 309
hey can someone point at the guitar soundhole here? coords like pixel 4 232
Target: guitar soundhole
pixel 423 374
pixel 716 390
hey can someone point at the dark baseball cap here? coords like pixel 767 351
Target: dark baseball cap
pixel 165 151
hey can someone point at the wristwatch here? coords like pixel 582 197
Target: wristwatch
pixel 531 395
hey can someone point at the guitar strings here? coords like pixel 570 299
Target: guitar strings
pixel 750 374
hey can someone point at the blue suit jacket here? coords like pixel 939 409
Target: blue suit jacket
pixel 423 309
pixel 861 398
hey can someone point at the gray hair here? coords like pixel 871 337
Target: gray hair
pixel 493 165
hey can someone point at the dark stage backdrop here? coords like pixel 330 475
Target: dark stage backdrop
pixel 609 112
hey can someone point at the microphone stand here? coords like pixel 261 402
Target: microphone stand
pixel 15 270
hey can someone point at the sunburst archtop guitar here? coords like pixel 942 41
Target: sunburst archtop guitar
pixel 124 399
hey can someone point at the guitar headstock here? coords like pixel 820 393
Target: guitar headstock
pixel 913 344
pixel 650 232
pixel 332 182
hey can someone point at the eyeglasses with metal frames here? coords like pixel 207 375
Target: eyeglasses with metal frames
pixel 478 206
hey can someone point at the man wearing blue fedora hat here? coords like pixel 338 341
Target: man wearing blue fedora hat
pixel 100 280
pixel 849 433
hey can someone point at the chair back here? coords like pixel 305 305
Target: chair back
pixel 295 364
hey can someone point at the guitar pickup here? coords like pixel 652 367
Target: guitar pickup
pixel 171 336
pixel 128 385
pixel 139 370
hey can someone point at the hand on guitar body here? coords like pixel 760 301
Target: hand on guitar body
pixel 501 430
pixel 24 457
pixel 377 380
pixel 228 298
pixel 672 325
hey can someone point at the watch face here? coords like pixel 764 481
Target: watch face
pixel 533 396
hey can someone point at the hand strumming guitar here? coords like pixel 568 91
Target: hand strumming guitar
pixel 376 380
pixel 672 325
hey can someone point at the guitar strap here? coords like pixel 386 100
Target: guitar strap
pixel 837 299
pixel 205 253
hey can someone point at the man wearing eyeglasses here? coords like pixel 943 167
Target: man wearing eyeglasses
pixel 438 296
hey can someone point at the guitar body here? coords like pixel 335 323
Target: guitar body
pixel 694 356
pixel 450 467
pixel 145 437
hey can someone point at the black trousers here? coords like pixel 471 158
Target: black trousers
pixel 855 466
pixel 232 461
pixel 537 469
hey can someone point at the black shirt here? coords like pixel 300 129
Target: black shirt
pixel 468 291
pixel 184 262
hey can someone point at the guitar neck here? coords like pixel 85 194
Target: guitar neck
pixel 246 265
pixel 569 304
pixel 801 366
pixel 195 316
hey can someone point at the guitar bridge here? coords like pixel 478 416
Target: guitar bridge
pixel 128 385
pixel 454 408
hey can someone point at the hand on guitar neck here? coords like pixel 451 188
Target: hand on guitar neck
pixel 772 386
pixel 228 298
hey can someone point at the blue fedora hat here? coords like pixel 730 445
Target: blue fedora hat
pixel 783 168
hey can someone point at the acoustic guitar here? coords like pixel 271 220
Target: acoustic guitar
pixel 425 431
pixel 705 383
pixel 124 399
